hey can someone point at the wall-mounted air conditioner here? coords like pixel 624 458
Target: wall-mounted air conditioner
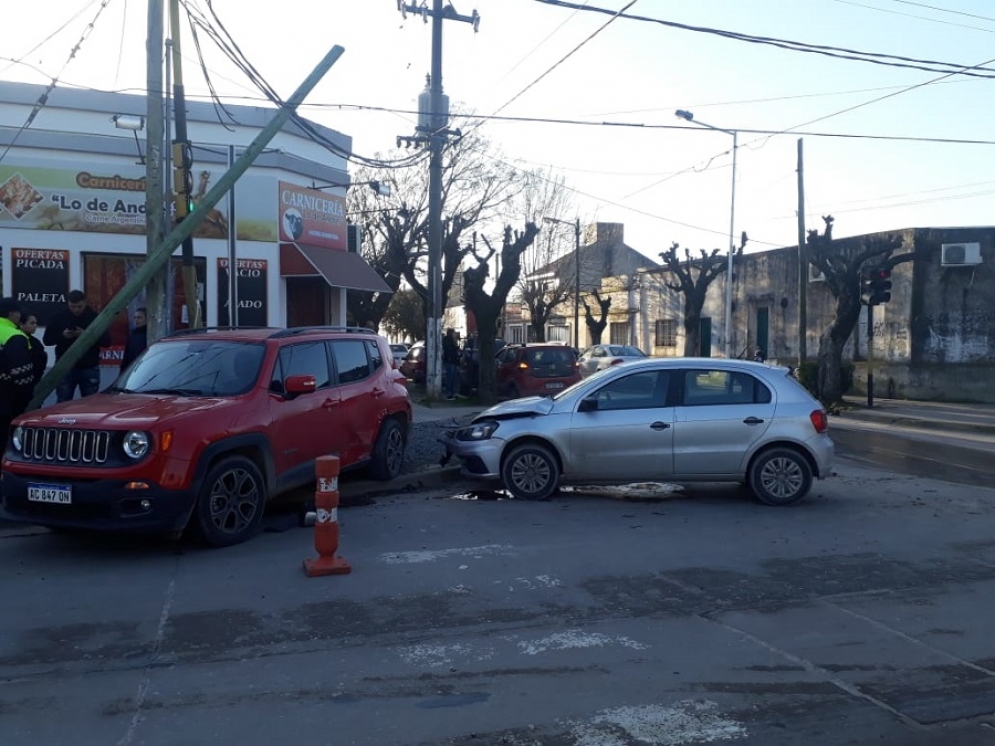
pixel 815 274
pixel 960 254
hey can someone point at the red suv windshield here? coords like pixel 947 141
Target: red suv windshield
pixel 194 367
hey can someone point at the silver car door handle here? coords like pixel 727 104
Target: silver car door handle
pixel 659 425
pixel 753 421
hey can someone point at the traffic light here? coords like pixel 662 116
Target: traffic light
pixel 183 179
pixel 878 286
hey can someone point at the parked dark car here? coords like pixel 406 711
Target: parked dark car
pixel 538 369
pixel 469 364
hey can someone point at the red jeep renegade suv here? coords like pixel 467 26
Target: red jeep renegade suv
pixel 205 427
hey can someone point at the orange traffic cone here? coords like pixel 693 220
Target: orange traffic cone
pixel 326 526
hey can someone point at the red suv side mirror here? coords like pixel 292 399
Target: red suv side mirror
pixel 295 385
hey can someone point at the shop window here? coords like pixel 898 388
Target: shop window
pixel 105 275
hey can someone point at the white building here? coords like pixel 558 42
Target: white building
pixel 72 212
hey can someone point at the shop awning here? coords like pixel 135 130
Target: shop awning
pixel 341 269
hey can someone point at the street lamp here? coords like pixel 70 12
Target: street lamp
pixel 689 117
pixel 576 225
pixel 134 123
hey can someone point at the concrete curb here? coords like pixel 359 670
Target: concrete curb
pixel 428 478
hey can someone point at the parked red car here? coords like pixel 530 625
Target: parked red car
pixel 535 369
pixel 204 428
pixel 413 365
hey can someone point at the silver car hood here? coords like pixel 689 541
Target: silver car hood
pixel 529 406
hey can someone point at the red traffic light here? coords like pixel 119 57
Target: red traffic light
pixel 879 274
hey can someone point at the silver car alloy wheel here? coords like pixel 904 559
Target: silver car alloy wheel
pixel 782 477
pixel 530 473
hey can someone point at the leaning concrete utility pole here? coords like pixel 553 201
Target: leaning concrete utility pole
pixel 180 231
pixel 437 133
pixel 155 291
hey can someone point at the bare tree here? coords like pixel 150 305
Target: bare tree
pixel 844 262
pixel 487 307
pixel 596 325
pixel 476 189
pixel 547 278
pixel 693 276
pixel 390 233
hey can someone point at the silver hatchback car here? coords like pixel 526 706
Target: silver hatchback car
pixel 671 419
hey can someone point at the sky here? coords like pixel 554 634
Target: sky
pixel 593 96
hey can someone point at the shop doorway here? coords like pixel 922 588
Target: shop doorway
pixel 307 301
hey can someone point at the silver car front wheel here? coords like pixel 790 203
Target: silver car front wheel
pixel 530 472
pixel 780 476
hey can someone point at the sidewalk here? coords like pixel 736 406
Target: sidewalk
pixel 444 410
pixel 936 416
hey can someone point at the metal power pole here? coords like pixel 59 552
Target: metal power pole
pixel 870 355
pixel 437 134
pixel 577 284
pixel 232 249
pixel 155 291
pixel 802 266
pixel 732 247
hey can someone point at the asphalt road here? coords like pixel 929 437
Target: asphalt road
pixel 861 616
pixel 962 458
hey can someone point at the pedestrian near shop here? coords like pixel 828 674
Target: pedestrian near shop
pixel 138 338
pixel 62 331
pixel 39 358
pixel 450 361
pixel 16 382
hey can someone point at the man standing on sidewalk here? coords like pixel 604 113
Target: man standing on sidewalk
pixel 62 331
pixel 450 360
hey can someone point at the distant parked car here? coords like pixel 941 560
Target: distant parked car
pixel 667 419
pixel 398 351
pixel 469 364
pixel 413 365
pixel 539 369
pixel 600 357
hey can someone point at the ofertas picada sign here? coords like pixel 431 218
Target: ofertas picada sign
pixel 40 281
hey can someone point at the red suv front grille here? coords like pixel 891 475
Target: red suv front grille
pixel 62 446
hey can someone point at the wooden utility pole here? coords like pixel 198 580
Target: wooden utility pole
pixel 182 160
pixel 155 291
pixel 802 265
pixel 158 258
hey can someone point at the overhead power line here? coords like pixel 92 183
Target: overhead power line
pixel 43 99
pixel 43 42
pixel 567 56
pixel 876 58
pixel 219 34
